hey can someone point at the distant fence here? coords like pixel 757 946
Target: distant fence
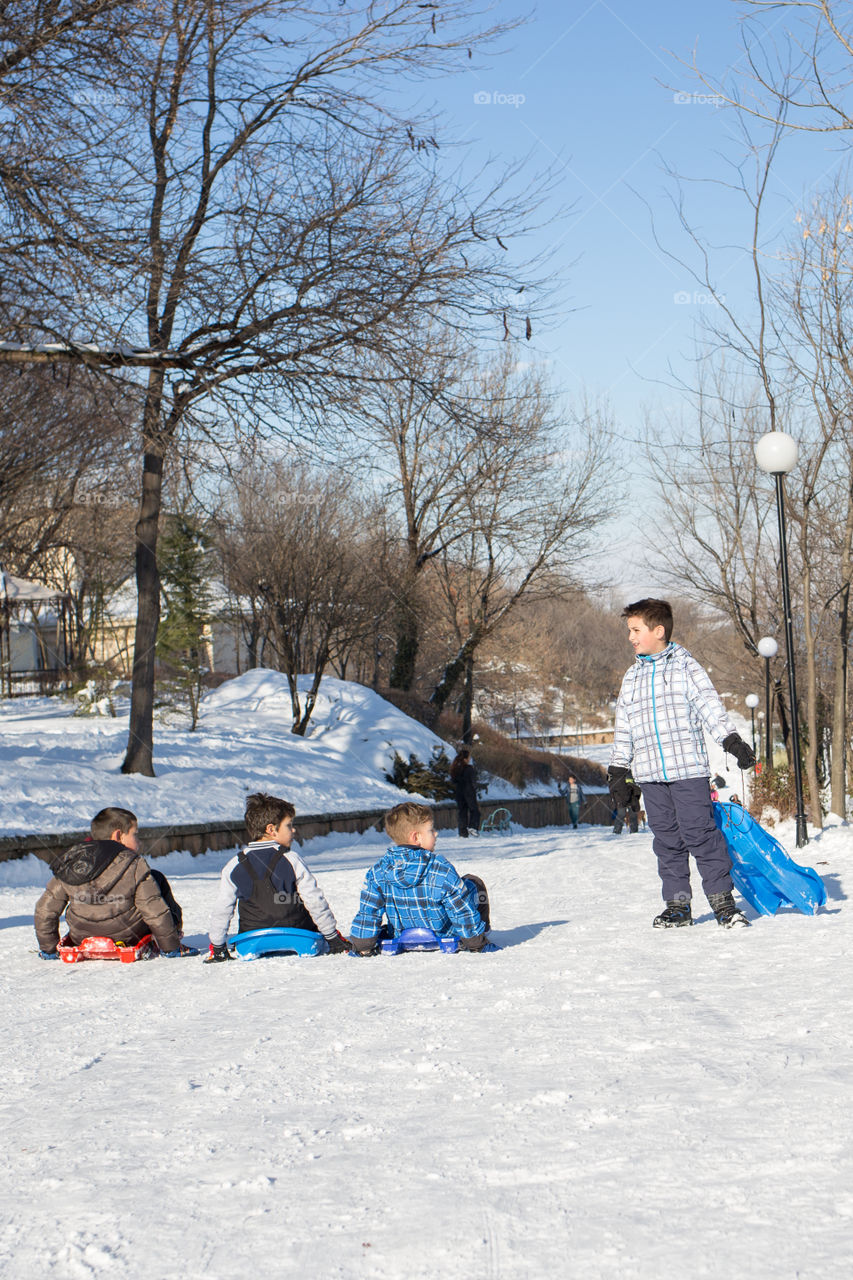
pixel 202 837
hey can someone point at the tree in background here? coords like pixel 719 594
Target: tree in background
pixel 184 573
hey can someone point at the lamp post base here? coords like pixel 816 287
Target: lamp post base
pixel 802 831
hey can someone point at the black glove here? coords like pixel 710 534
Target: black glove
pixel 218 951
pixel 338 944
pixel 619 781
pixel 741 750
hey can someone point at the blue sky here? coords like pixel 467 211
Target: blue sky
pixel 594 88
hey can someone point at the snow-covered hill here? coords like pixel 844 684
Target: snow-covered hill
pixel 58 769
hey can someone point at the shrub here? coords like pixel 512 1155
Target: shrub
pixel 431 779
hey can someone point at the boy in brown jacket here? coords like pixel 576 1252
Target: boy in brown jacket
pixel 108 891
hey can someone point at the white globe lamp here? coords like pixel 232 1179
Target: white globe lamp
pixel 776 453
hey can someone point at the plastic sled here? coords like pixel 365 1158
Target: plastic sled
pixel 106 949
pixel 498 820
pixel 762 872
pixel 418 940
pixel 256 943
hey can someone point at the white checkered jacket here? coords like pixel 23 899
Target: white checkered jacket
pixel 665 702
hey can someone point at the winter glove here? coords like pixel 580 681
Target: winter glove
pixel 741 750
pixel 49 955
pixel 364 946
pixel 218 951
pixel 182 950
pixel 338 944
pixel 619 781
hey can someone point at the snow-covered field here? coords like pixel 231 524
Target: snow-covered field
pixel 598 1099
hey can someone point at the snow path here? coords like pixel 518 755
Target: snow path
pixel 597 1100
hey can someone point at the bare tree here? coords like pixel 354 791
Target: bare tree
pixel 268 226
pixel 540 498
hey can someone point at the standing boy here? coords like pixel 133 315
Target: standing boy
pixel 574 798
pixel 665 702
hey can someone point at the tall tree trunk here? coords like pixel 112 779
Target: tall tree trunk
pixel 407 634
pixel 838 763
pixel 468 702
pixel 454 670
pixel 140 744
pixel 811 717
pixel 784 723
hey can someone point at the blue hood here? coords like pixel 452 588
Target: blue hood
pixel 403 864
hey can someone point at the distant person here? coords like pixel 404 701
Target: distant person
pixel 574 799
pixel 107 890
pixel 271 883
pixel 413 887
pixel 463 775
pixel 665 704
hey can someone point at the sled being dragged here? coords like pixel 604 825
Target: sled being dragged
pixel 761 870
pixel 256 943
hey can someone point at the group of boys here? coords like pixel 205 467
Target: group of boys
pixel 666 704
pixel 105 889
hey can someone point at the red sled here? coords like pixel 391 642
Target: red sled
pixel 106 949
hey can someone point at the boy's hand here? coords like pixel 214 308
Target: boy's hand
pixel 617 781
pixel 741 750
pixel 338 944
pixel 49 955
pixel 364 946
pixel 218 951
pixel 182 950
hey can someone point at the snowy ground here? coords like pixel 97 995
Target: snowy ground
pixel 596 1100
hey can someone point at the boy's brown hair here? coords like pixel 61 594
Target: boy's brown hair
pixel 655 613
pixel 405 818
pixel 263 811
pixel 112 819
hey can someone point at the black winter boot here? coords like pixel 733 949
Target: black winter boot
pixel 676 915
pixel 728 913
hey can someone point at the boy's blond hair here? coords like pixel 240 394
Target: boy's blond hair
pixel 405 818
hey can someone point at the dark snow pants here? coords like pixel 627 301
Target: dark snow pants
pixel 680 816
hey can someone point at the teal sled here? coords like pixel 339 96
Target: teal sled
pixel 762 872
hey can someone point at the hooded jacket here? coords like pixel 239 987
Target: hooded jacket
pixel 666 703
pixel 106 891
pixel 416 890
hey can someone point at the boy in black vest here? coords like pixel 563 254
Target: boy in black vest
pixel 272 884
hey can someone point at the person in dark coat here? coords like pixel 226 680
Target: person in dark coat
pixel 463 775
pixel 106 890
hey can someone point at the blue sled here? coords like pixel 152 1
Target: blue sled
pixel 762 871
pixel 279 942
pixel 418 940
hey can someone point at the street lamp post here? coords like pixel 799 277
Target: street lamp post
pixel 752 700
pixel 776 453
pixel 768 648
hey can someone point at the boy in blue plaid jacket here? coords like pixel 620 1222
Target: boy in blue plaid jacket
pixel 413 887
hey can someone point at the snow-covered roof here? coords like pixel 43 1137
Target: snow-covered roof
pixel 21 591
